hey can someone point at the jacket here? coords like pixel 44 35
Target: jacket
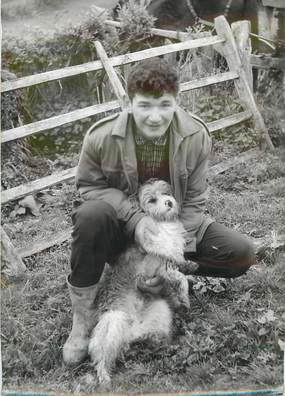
pixel 107 170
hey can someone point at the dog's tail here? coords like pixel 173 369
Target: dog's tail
pixel 107 340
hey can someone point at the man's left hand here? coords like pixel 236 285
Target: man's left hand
pixel 153 285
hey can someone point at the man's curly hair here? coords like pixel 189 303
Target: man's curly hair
pixel 152 77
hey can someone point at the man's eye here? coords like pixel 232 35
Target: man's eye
pixel 152 200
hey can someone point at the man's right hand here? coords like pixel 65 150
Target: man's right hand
pixel 145 228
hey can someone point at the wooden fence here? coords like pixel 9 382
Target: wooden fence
pixel 237 58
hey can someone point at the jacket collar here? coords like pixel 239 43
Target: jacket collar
pixel 121 123
pixel 182 124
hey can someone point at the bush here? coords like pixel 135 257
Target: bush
pixel 135 19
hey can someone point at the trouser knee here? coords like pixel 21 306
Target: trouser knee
pixel 97 239
pixel 223 253
pixel 93 217
pixel 244 259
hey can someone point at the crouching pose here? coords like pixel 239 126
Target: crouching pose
pixel 153 138
pixel 125 311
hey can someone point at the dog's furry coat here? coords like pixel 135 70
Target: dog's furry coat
pixel 124 313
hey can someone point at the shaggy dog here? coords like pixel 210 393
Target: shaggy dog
pixel 125 312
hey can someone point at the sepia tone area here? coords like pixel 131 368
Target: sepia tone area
pixel 228 339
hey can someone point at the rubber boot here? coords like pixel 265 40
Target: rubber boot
pixel 75 349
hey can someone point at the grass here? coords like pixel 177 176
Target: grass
pixel 227 340
pixel 229 337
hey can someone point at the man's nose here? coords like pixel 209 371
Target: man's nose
pixel 154 116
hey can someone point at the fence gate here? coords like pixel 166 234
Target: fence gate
pixel 224 42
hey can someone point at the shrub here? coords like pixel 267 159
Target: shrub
pixel 135 19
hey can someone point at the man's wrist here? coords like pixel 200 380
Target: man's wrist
pixel 132 223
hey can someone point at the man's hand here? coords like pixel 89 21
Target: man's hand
pixel 145 228
pixel 153 285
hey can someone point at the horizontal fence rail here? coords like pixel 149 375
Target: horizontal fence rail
pixel 53 122
pixel 115 61
pixel 229 121
pixel 56 121
pixel 37 185
pixel 68 174
pixel 206 81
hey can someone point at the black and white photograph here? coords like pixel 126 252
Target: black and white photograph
pixel 143 197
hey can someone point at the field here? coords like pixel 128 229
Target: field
pixel 229 337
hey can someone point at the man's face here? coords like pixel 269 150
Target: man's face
pixel 153 115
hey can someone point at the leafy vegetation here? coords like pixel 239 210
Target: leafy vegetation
pixel 135 21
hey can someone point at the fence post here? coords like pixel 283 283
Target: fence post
pixel 241 31
pixel 114 79
pixel 231 54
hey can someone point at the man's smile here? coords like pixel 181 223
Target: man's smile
pixel 154 125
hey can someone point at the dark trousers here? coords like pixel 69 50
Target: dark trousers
pixel 98 238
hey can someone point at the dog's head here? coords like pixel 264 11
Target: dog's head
pixel 156 200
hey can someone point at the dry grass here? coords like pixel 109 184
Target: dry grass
pixel 227 340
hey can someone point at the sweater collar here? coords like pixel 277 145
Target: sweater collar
pixel 182 124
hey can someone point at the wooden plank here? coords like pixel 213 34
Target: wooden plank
pixel 267 62
pixel 241 31
pixel 40 246
pixel 115 61
pixel 274 3
pixel 267 23
pixel 171 34
pixel 234 62
pixel 52 75
pixel 206 81
pixel 175 35
pixel 37 185
pixel 43 125
pixel 213 171
pixel 229 121
pixel 53 122
pixel 260 244
pixel 231 162
pixel 115 81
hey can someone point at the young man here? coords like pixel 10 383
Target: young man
pixel 154 138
